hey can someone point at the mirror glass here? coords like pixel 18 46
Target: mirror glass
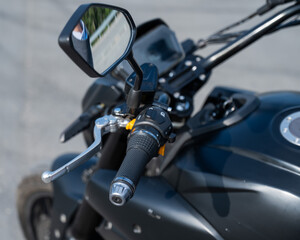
pixel 101 37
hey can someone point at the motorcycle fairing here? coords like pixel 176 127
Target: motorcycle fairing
pixel 244 179
pixel 156 208
pixel 68 192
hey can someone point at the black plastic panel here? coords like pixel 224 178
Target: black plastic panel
pixel 68 193
pixel 156 208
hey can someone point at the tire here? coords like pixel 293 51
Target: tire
pixel 34 204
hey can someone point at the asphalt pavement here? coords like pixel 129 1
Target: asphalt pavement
pixel 41 89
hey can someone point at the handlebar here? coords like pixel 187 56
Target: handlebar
pixel 140 150
pixel 151 130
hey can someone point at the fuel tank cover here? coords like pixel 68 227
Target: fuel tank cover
pixel 290 128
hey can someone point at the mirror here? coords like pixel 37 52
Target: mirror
pixel 102 36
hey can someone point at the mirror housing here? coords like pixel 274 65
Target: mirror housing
pixel 67 40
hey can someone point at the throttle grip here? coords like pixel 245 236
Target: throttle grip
pixel 151 130
pixel 141 149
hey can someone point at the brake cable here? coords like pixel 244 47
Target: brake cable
pixel 222 37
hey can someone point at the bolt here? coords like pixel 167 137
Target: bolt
pixel 179 108
pixel 188 63
pixel 181 97
pixel 169 109
pixel 194 68
pixel 198 59
pixel 108 226
pixel 162 80
pixel 63 218
pixel 176 95
pixel 57 233
pixel 117 110
pixel 171 74
pixel 182 106
pixel 137 229
pixel 202 77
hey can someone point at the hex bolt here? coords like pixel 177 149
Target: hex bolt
pixel 188 63
pixel 181 97
pixel 63 218
pixel 176 95
pixel 137 229
pixel 171 74
pixel 202 77
pixel 117 110
pixel 56 233
pixel 162 80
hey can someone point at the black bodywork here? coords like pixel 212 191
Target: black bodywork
pixel 238 182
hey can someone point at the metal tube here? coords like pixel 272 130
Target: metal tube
pixel 249 37
pixel 139 73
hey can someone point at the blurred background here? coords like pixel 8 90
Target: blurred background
pixel 41 89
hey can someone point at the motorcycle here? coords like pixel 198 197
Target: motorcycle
pixel 152 168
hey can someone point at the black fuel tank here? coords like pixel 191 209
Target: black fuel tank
pixel 245 179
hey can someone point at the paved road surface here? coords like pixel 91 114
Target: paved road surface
pixel 41 88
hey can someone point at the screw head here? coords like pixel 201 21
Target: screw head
pixel 63 218
pixel 202 77
pixel 117 110
pixel 176 95
pixel 57 233
pixel 162 80
pixel 137 229
pixel 188 63
pixel 171 74
pixel 181 97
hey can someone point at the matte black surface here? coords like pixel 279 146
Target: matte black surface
pixel 68 193
pixel 105 90
pixel 245 178
pixel 85 222
pixel 202 124
pixel 148 85
pixel 156 208
pixel 141 148
pixel 157 119
pixel 185 79
pixel 82 122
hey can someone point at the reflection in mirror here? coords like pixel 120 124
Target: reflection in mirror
pixel 101 37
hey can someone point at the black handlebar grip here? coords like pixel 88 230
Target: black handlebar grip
pixel 142 147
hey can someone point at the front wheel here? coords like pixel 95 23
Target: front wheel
pixel 34 204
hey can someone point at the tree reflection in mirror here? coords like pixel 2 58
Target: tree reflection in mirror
pixel 101 37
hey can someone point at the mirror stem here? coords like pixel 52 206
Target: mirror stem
pixel 139 73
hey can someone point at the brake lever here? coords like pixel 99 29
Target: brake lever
pixel 103 125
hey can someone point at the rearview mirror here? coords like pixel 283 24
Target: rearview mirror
pixel 98 37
